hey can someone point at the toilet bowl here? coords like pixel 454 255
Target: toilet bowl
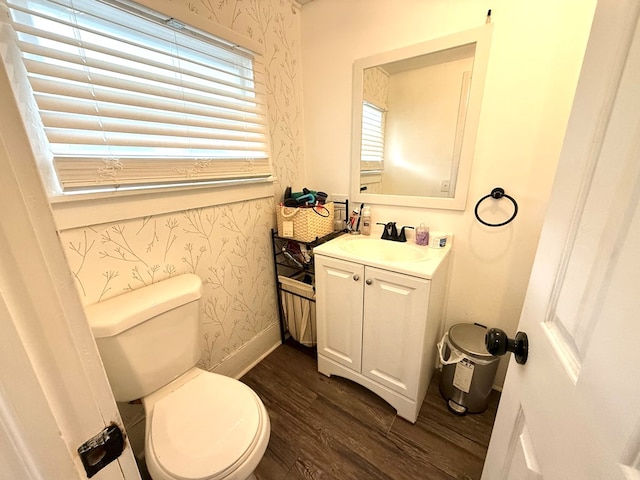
pixel 199 425
pixel 204 426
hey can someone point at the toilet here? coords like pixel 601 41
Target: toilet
pixel 199 425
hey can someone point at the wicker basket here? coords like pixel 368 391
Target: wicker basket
pixel 308 223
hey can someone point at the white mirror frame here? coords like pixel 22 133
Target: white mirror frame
pixel 482 38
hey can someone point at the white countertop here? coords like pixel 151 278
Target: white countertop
pixel 425 266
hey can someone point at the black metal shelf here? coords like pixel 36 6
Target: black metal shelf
pixel 287 267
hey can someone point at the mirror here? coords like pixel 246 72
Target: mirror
pixel 415 118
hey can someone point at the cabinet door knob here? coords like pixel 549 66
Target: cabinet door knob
pixel 356 277
pixel 368 281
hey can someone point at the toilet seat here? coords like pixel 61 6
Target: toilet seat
pixel 206 428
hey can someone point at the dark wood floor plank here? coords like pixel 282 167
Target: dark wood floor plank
pixel 270 381
pixel 271 467
pixel 476 427
pixel 331 428
pixel 317 454
pixel 298 442
pixel 290 434
pixel 361 404
pixel 300 367
pixel 381 454
pixel 444 453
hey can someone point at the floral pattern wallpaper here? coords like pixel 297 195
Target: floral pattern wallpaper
pixel 276 25
pixel 375 87
pixel 228 246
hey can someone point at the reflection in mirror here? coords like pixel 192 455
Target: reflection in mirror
pixel 415 115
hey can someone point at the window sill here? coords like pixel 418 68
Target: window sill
pixel 84 209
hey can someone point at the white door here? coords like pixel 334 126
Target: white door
pixel 54 394
pixel 339 310
pixel 573 410
pixel 395 310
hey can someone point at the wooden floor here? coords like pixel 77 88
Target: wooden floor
pixel 332 428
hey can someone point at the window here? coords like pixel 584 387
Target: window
pixel 130 98
pixel 372 146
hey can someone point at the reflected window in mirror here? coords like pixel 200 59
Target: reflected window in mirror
pixel 372 147
pixel 424 101
pixel 429 97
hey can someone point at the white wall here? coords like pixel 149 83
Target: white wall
pixel 535 59
pixel 421 128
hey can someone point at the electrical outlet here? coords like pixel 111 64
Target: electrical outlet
pixel 338 197
pixel 444 186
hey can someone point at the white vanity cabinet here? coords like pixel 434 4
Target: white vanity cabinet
pixel 340 305
pixel 379 328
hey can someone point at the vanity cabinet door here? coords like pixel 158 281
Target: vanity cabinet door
pixel 339 310
pixel 395 311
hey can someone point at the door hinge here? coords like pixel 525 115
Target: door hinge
pixel 102 449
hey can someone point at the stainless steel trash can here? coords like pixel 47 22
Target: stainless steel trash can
pixel 468 369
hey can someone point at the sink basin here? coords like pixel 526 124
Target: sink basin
pixel 400 257
pixel 386 250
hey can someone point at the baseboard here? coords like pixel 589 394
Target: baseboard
pixel 251 353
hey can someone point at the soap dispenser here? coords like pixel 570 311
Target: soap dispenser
pixel 422 235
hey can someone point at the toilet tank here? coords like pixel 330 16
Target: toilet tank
pixel 149 336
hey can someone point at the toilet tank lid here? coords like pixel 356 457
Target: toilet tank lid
pixel 117 314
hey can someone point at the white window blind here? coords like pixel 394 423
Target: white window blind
pixel 372 146
pixel 128 97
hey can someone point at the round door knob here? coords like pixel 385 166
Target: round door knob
pixel 498 343
pixel 369 281
pixel 356 277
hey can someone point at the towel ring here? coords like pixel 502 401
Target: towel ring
pixel 497 193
